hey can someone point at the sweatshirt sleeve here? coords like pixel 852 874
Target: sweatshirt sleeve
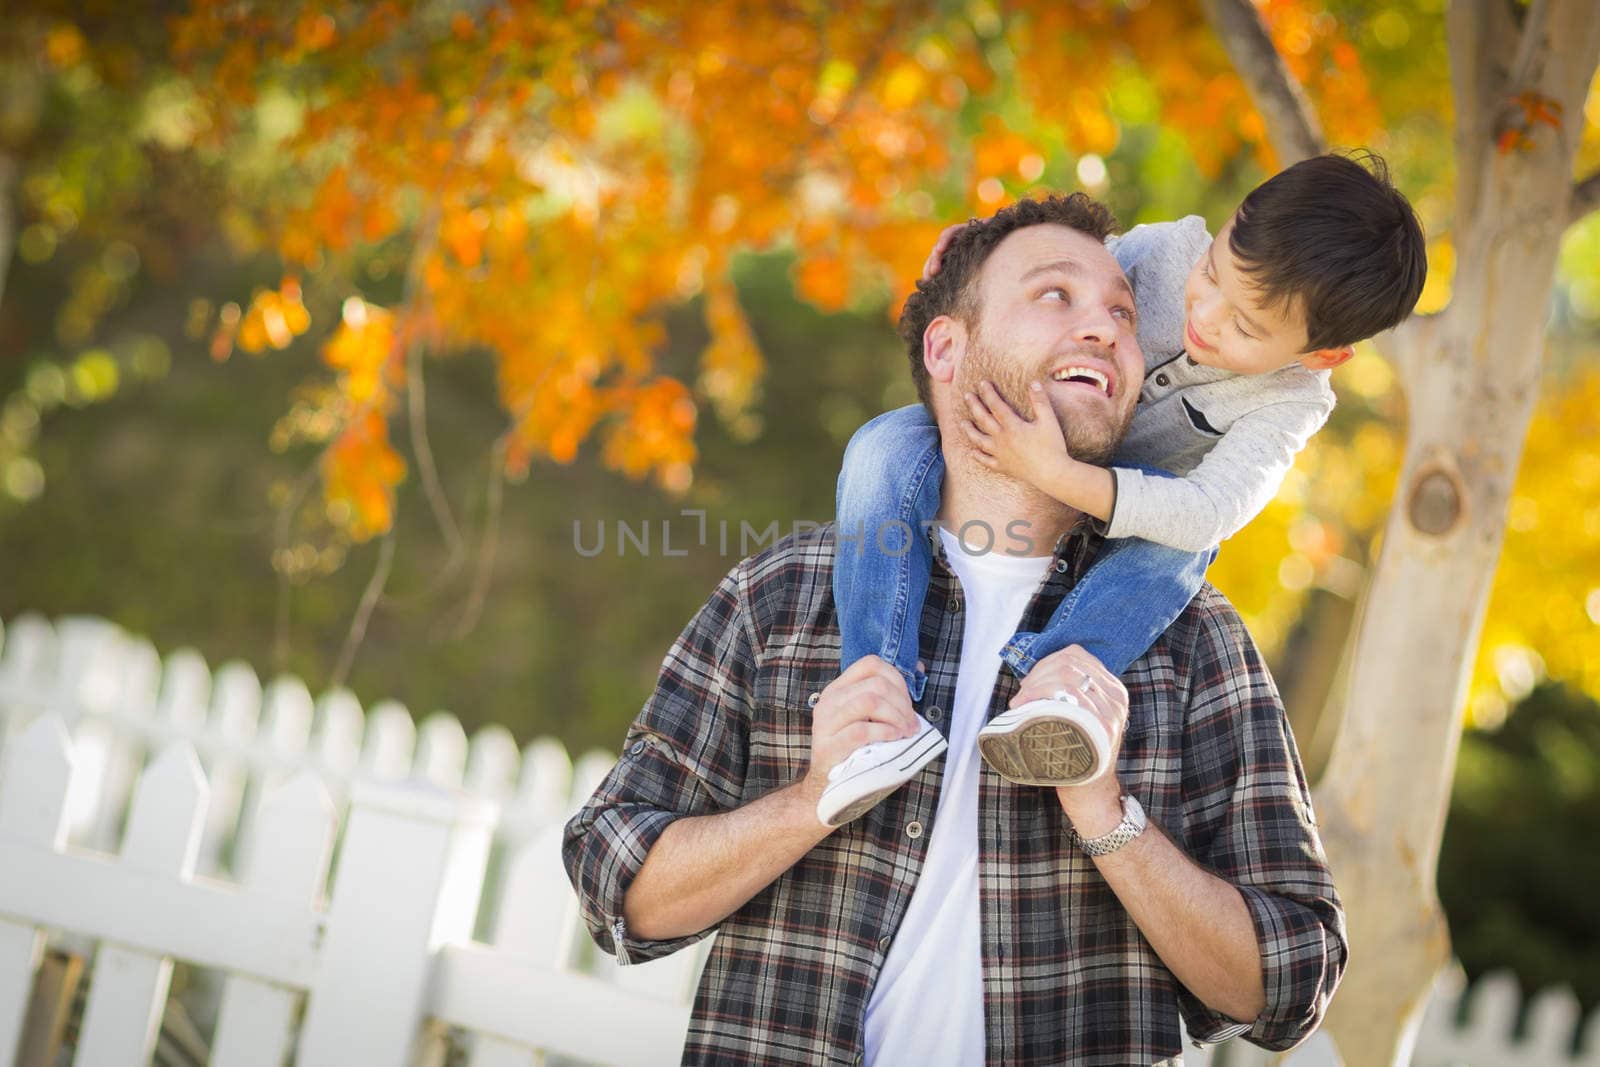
pixel 1236 479
pixel 1157 258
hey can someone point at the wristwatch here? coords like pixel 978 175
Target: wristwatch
pixel 1132 825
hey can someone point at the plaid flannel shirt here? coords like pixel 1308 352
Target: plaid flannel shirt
pixel 1068 978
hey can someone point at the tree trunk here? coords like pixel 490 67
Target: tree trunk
pixel 1471 377
pixel 8 224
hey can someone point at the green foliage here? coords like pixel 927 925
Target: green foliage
pixel 1518 867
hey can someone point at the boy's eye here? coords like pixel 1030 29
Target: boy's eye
pixel 1242 331
pixel 1125 312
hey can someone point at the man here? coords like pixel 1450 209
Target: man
pixel 965 918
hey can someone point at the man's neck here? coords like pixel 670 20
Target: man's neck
pixel 1014 517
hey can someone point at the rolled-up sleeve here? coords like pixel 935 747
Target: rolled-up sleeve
pixel 684 755
pixel 1249 820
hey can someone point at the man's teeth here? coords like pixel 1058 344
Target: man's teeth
pixel 1084 374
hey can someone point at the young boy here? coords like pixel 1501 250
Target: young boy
pixel 1239 335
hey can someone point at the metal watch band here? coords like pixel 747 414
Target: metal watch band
pixel 1132 825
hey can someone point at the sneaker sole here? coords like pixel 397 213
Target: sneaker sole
pixel 1042 753
pixel 836 809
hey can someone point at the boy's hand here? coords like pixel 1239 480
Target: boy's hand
pixel 1028 451
pixel 931 266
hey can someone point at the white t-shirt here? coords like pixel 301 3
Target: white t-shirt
pixel 927 1006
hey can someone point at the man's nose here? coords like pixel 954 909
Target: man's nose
pixel 1096 323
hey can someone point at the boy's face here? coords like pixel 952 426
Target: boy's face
pixel 1231 328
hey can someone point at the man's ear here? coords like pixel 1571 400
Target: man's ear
pixel 1326 358
pixel 943 344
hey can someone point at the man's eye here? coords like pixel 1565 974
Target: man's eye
pixel 1058 292
pixel 1126 312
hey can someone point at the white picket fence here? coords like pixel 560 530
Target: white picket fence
pixel 154 811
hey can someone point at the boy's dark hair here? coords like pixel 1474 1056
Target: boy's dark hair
pixel 953 291
pixel 1338 240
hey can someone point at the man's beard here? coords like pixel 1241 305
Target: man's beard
pixel 1089 439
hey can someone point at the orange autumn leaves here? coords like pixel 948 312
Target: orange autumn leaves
pixel 546 179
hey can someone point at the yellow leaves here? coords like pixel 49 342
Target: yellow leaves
pixel 274 319
pixel 64 46
pixel 906 83
pixel 361 349
pixel 1546 592
pixel 998 152
pixel 1441 273
pixel 360 471
pixel 1530 109
pixel 314 30
pixel 655 434
pixel 462 232
pixel 731 366
pixel 824 280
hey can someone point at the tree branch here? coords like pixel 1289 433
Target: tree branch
pixel 369 601
pixel 472 609
pixel 1292 125
pixel 1481 39
pixel 1585 198
pixel 1528 46
pixel 8 218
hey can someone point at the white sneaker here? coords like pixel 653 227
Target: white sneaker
pixel 1046 742
pixel 872 772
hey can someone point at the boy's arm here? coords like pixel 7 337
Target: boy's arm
pixel 1231 485
pixel 1237 478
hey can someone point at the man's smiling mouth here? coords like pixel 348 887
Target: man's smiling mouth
pixel 1080 375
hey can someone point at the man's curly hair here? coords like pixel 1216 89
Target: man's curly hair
pixel 953 291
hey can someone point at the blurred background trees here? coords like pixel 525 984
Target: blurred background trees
pixel 307 301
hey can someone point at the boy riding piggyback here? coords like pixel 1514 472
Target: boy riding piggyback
pixel 1239 336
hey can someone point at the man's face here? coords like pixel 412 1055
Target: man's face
pixel 1055 307
pixel 1229 326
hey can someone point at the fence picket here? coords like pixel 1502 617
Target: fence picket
pixel 128 990
pixel 536 918
pixel 544 790
pixel 134 708
pixel 422 853
pixel 441 750
pixel 26 658
pixel 337 737
pixel 391 738
pixel 233 720
pixel 288 860
pixel 285 732
pixel 35 777
pixel 185 694
pixel 492 763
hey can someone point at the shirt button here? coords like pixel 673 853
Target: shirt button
pixel 811 701
pixel 883 943
pixel 913 829
pixel 933 714
pixel 638 747
pixel 861 1057
pixel 952 603
pixel 1162 379
pixel 1061 566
